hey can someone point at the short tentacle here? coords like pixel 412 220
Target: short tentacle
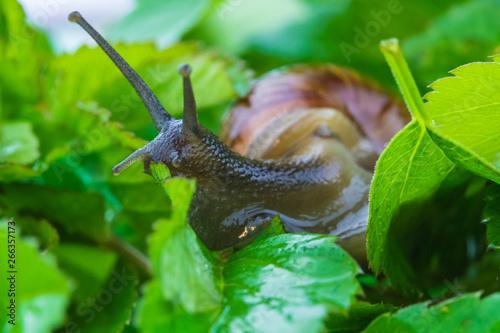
pixel 159 115
pixel 138 155
pixel 190 115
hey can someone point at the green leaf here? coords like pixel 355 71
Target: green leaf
pixel 23 52
pixel 186 273
pixel 463 116
pixel 41 291
pixel 159 21
pixel 465 32
pixel 410 169
pixel 46 234
pixel 87 265
pixel 18 144
pixel 466 313
pixel 77 212
pixel 79 78
pixel 357 319
pixel 492 215
pixel 11 172
pixel 270 34
pixel 183 296
pixel 156 314
pixel 177 259
pixel 411 192
pixel 274 228
pixel 289 281
pixel 110 308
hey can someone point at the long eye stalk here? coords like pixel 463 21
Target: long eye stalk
pixel 190 115
pixel 159 115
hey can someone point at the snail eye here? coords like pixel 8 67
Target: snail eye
pixel 323 131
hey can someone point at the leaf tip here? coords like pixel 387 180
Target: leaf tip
pixel 496 58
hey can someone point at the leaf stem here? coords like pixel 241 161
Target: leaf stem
pixel 399 67
pixel 130 254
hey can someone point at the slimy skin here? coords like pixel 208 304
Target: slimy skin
pixel 308 158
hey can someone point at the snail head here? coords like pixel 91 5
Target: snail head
pixel 177 138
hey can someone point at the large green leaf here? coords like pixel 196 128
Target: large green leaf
pixel 410 170
pixel 415 194
pixel 463 114
pixel 289 281
pixel 41 290
pixel 466 313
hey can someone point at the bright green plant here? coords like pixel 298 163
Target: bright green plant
pixel 95 254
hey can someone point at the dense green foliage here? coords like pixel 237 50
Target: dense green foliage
pixel 99 253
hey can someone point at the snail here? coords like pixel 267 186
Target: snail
pixel 301 145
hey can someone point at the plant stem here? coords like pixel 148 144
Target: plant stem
pixel 131 254
pixel 399 67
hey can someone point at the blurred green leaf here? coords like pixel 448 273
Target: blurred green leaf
pixel 76 212
pixel 18 144
pixel 10 172
pixel 466 313
pixel 89 267
pixel 46 234
pixel 79 78
pixel 464 33
pixel 270 35
pixel 110 307
pixel 274 228
pixel 23 52
pixel 358 318
pixel 41 291
pixel 161 21
pixel 156 314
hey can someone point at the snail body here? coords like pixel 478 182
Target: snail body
pixel 302 145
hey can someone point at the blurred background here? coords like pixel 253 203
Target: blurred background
pixel 67 115
pixel 436 35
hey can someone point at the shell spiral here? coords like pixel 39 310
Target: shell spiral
pixel 376 113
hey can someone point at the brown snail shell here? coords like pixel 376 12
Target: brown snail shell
pixel 288 109
pixel 376 114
